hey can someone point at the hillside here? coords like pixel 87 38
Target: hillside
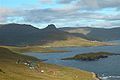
pixel 33 49
pixel 81 30
pixel 100 34
pixel 75 41
pixel 25 35
pixel 10 70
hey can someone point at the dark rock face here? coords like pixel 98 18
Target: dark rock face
pixel 51 26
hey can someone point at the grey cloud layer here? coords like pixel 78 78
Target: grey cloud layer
pixel 94 4
pixel 81 12
pixel 66 1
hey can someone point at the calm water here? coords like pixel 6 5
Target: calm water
pixel 107 68
pixel 116 41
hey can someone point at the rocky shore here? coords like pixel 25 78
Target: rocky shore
pixel 95 76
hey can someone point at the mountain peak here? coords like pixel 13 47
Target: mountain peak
pixel 51 27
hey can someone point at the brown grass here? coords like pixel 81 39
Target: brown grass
pixel 75 41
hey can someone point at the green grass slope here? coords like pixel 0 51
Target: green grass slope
pixel 33 49
pixel 9 70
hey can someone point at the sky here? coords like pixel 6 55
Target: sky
pixel 62 13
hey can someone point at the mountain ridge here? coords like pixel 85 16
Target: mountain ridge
pixel 25 35
pixel 99 34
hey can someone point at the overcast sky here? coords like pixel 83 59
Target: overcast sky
pixel 63 13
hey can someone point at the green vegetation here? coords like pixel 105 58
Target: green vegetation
pixel 8 54
pixel 13 71
pixel 33 49
pixel 75 41
pixel 90 56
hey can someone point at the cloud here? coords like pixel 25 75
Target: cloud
pixel 4 13
pixel 92 4
pixel 71 13
pixel 67 8
pixel 106 24
pixel 98 4
pixel 46 1
pixel 113 17
pixel 109 3
pixel 107 17
pixel 11 15
pixel 65 1
pixel 45 16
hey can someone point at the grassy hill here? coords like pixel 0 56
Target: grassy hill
pixel 75 41
pixel 33 49
pixel 9 70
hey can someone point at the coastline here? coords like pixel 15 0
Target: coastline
pixel 50 71
pixel 95 76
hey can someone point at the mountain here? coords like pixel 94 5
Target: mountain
pixel 102 34
pixel 99 34
pixel 13 34
pixel 24 35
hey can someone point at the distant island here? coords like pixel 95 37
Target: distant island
pixel 90 56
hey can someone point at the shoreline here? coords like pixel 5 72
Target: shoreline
pixel 55 72
pixel 73 46
pixel 95 76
